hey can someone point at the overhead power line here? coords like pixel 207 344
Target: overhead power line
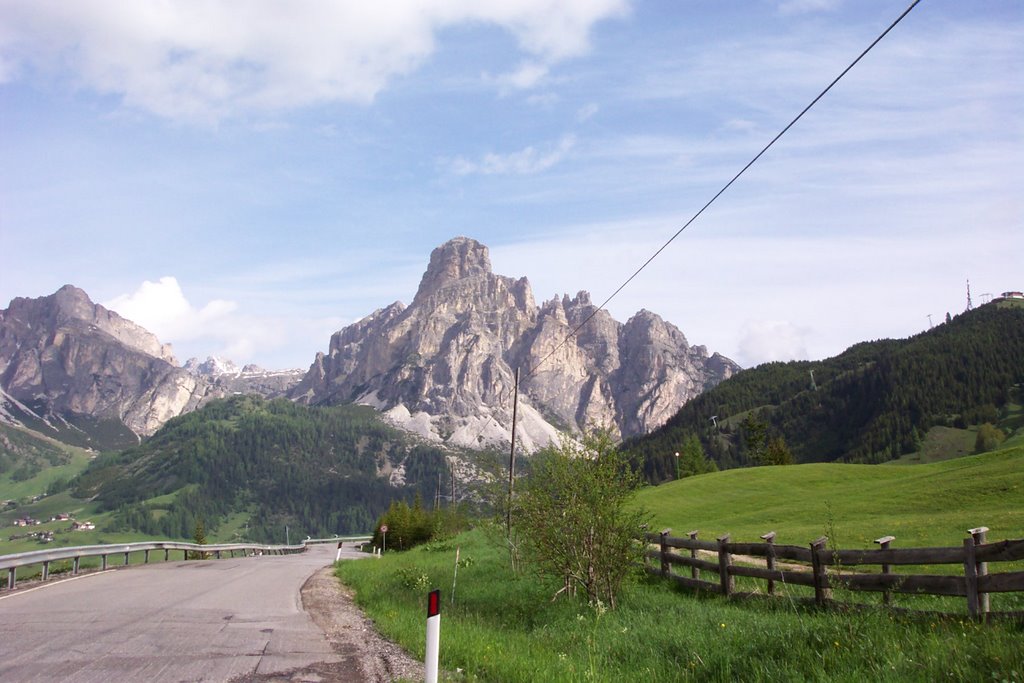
pixel 722 191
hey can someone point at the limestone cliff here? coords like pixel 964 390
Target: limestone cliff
pixel 445 365
pixel 71 362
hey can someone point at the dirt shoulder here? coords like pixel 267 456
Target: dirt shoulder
pixel 329 603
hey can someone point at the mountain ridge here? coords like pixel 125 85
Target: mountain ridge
pixel 444 366
pixel 75 364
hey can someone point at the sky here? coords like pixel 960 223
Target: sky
pixel 245 178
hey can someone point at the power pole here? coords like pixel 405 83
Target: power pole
pixel 969 304
pixel 512 457
pixel 930 321
pixel 452 467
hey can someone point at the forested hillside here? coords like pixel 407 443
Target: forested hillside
pixel 317 470
pixel 870 404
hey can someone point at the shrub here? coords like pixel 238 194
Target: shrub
pixel 573 519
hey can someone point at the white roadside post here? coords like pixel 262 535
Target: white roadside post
pixel 433 635
pixel 338 556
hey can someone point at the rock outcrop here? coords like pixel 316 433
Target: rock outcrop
pixel 251 379
pixel 74 364
pixel 445 365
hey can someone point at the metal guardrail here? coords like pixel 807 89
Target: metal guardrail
pixel 75 553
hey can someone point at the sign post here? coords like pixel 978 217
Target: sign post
pixel 384 537
pixel 433 635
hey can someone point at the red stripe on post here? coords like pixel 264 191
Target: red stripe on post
pixel 433 603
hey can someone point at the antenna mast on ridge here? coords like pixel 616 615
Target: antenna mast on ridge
pixel 969 304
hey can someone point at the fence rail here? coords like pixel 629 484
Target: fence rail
pixel 825 568
pixel 76 553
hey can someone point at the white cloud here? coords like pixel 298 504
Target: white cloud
pixel 802 6
pixel 274 339
pixel 766 340
pixel 205 60
pixel 587 112
pixel 524 162
pixel 528 75
pixel 161 307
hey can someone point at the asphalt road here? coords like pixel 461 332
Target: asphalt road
pixel 213 620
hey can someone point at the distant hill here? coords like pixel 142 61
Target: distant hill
pixel 870 404
pixel 318 470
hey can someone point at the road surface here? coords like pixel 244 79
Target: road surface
pixel 216 620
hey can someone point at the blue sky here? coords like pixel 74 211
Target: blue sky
pixel 245 178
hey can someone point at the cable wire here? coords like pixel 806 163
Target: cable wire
pixel 722 191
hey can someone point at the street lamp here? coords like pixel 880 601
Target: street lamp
pixel 677 465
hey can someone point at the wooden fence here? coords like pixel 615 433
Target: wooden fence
pixel 824 568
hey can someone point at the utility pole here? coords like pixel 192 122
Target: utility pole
pixel 930 321
pixel 512 457
pixel 969 304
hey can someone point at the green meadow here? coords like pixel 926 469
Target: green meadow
pixel 931 504
pixel 504 626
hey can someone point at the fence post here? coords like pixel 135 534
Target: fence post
pixel 724 561
pixel 821 590
pixel 971 578
pixel 694 572
pixel 980 569
pixel 769 538
pixel 665 567
pixel 883 543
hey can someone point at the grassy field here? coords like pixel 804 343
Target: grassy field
pixel 50 460
pixel 504 627
pixel 926 505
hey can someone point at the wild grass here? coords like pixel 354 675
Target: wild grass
pixel 504 627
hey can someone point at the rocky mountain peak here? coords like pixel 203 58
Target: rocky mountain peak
pixel 445 366
pixel 456 259
pixel 651 327
pixel 73 302
pixel 582 299
pixel 211 367
pixel 70 306
pixel 62 358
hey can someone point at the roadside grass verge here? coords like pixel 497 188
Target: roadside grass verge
pixel 504 627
